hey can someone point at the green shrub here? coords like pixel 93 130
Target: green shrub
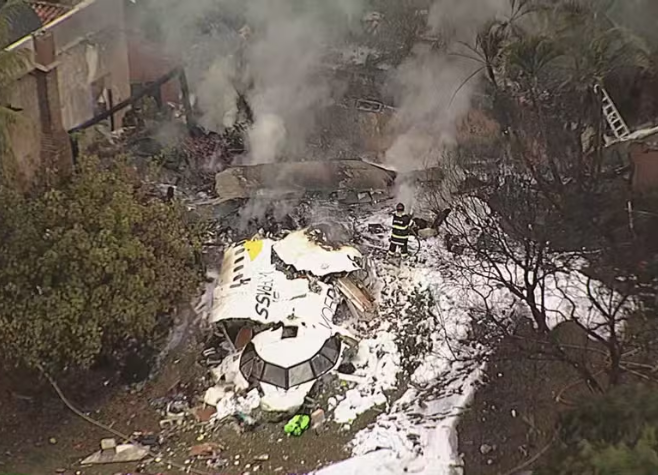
pixel 88 265
pixel 614 434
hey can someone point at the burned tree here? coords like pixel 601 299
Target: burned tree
pixel 504 254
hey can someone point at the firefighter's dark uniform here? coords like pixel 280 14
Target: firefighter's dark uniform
pixel 400 233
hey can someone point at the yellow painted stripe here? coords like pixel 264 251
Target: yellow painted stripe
pixel 254 248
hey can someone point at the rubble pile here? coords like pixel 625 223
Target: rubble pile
pixel 201 147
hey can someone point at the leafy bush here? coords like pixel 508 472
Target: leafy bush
pixel 87 266
pixel 613 434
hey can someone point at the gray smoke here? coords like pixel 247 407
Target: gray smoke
pixel 270 50
pixel 432 89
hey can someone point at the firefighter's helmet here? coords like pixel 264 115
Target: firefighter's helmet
pixel 399 208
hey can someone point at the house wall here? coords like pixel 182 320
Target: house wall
pixel 89 55
pixel 67 58
pixel 644 157
pixel 148 62
pixel 102 59
pixel 24 132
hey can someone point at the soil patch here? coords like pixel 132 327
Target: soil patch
pixel 514 412
pixel 39 438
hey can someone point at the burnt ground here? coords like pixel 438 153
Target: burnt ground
pixel 514 413
pixel 39 435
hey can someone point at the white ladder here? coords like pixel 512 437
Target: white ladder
pixel 612 115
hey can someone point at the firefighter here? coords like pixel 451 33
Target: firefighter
pixel 400 232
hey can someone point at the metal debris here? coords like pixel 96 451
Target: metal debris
pixel 124 453
pixel 360 302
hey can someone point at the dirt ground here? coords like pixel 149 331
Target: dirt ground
pixel 513 415
pixel 41 436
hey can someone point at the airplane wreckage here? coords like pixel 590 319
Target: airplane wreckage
pixel 348 182
pixel 277 301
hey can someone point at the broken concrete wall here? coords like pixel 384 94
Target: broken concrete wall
pixel 148 54
pixel 92 50
pixel 149 62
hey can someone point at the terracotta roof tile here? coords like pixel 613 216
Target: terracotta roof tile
pixel 48 11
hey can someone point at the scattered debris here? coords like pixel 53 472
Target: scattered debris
pixel 208 449
pixel 112 453
pixel 317 419
pixel 360 302
pixel 297 425
pixel 299 251
pixel 204 413
pixel 486 449
pixel 294 180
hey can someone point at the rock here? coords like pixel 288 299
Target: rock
pixel 485 449
pixel 52 441
pixel 262 458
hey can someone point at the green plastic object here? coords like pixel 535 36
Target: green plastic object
pixel 297 425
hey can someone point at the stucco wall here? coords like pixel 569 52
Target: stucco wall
pixel 24 133
pixel 91 46
pixel 102 57
pixel 83 46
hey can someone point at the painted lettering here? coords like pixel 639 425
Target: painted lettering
pixel 264 295
pixel 329 308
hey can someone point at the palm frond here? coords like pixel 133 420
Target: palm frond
pixel 532 54
pixel 463 83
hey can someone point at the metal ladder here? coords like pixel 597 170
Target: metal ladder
pixel 612 115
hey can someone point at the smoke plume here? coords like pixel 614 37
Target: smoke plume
pixel 432 88
pixel 269 50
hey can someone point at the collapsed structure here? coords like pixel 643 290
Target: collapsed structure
pixel 276 301
pixel 348 181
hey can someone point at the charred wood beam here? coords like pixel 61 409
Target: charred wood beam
pixel 187 104
pixel 133 99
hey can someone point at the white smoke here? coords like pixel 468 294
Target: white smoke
pixel 270 50
pixel 434 88
pixel 429 111
pixel 267 138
